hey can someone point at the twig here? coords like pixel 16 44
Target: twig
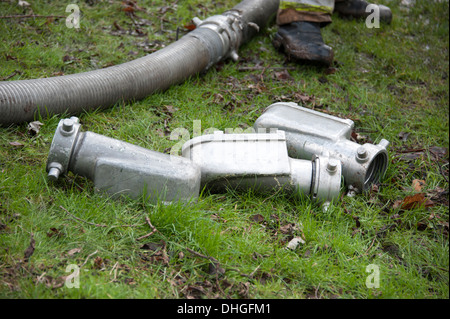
pixel 254 271
pixel 97 225
pixel 201 255
pixel 11 75
pixel 317 289
pixel 257 68
pixel 88 258
pixel 114 268
pixel 30 16
pixel 154 230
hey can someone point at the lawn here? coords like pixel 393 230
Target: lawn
pixel 390 242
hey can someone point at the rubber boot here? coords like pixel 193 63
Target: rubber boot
pixel 357 9
pixel 302 41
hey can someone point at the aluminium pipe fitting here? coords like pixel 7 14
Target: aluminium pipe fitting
pixel 219 161
pixel 260 161
pixel 117 167
pixel 311 133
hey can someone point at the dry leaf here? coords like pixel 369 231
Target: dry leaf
pixel 258 218
pixel 295 242
pixel 73 251
pixel 22 3
pixel 417 185
pixel 30 250
pixel 16 144
pixel 414 201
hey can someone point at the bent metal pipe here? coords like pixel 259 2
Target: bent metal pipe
pixel 310 132
pixel 219 161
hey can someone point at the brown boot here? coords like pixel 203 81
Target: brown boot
pixel 357 9
pixel 302 41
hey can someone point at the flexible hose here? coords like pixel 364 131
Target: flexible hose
pixel 22 100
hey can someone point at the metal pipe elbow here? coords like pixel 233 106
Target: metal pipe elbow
pixel 260 161
pixel 310 133
pixel 120 168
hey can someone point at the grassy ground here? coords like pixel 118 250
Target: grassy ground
pixel 392 81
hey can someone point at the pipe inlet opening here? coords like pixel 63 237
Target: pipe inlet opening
pixel 376 169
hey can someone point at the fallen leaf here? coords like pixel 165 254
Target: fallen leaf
pixel 34 127
pixel 190 26
pixel 403 136
pixel 54 232
pixel 30 250
pixel 22 3
pixel 330 70
pixel 294 242
pixel 417 185
pixel 16 144
pixel 171 109
pixel 10 57
pixel 73 251
pixel 258 218
pixel 289 228
pixel 283 75
pixel 414 201
pixel 99 263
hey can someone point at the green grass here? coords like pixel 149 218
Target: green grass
pixel 391 81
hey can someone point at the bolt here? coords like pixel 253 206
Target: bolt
pixel 53 173
pixel 332 166
pixel 361 152
pixel 67 125
pixel 54 170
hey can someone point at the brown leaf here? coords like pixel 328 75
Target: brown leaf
pixel 330 70
pixel 218 98
pixel 128 9
pixel 16 144
pixel 417 185
pixel 73 251
pixel 283 75
pixel 286 229
pixel 415 201
pixel 54 232
pixel 30 250
pixel 171 109
pixel 190 26
pixel 258 218
pixel 403 136
pixel 10 57
pixel 99 263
